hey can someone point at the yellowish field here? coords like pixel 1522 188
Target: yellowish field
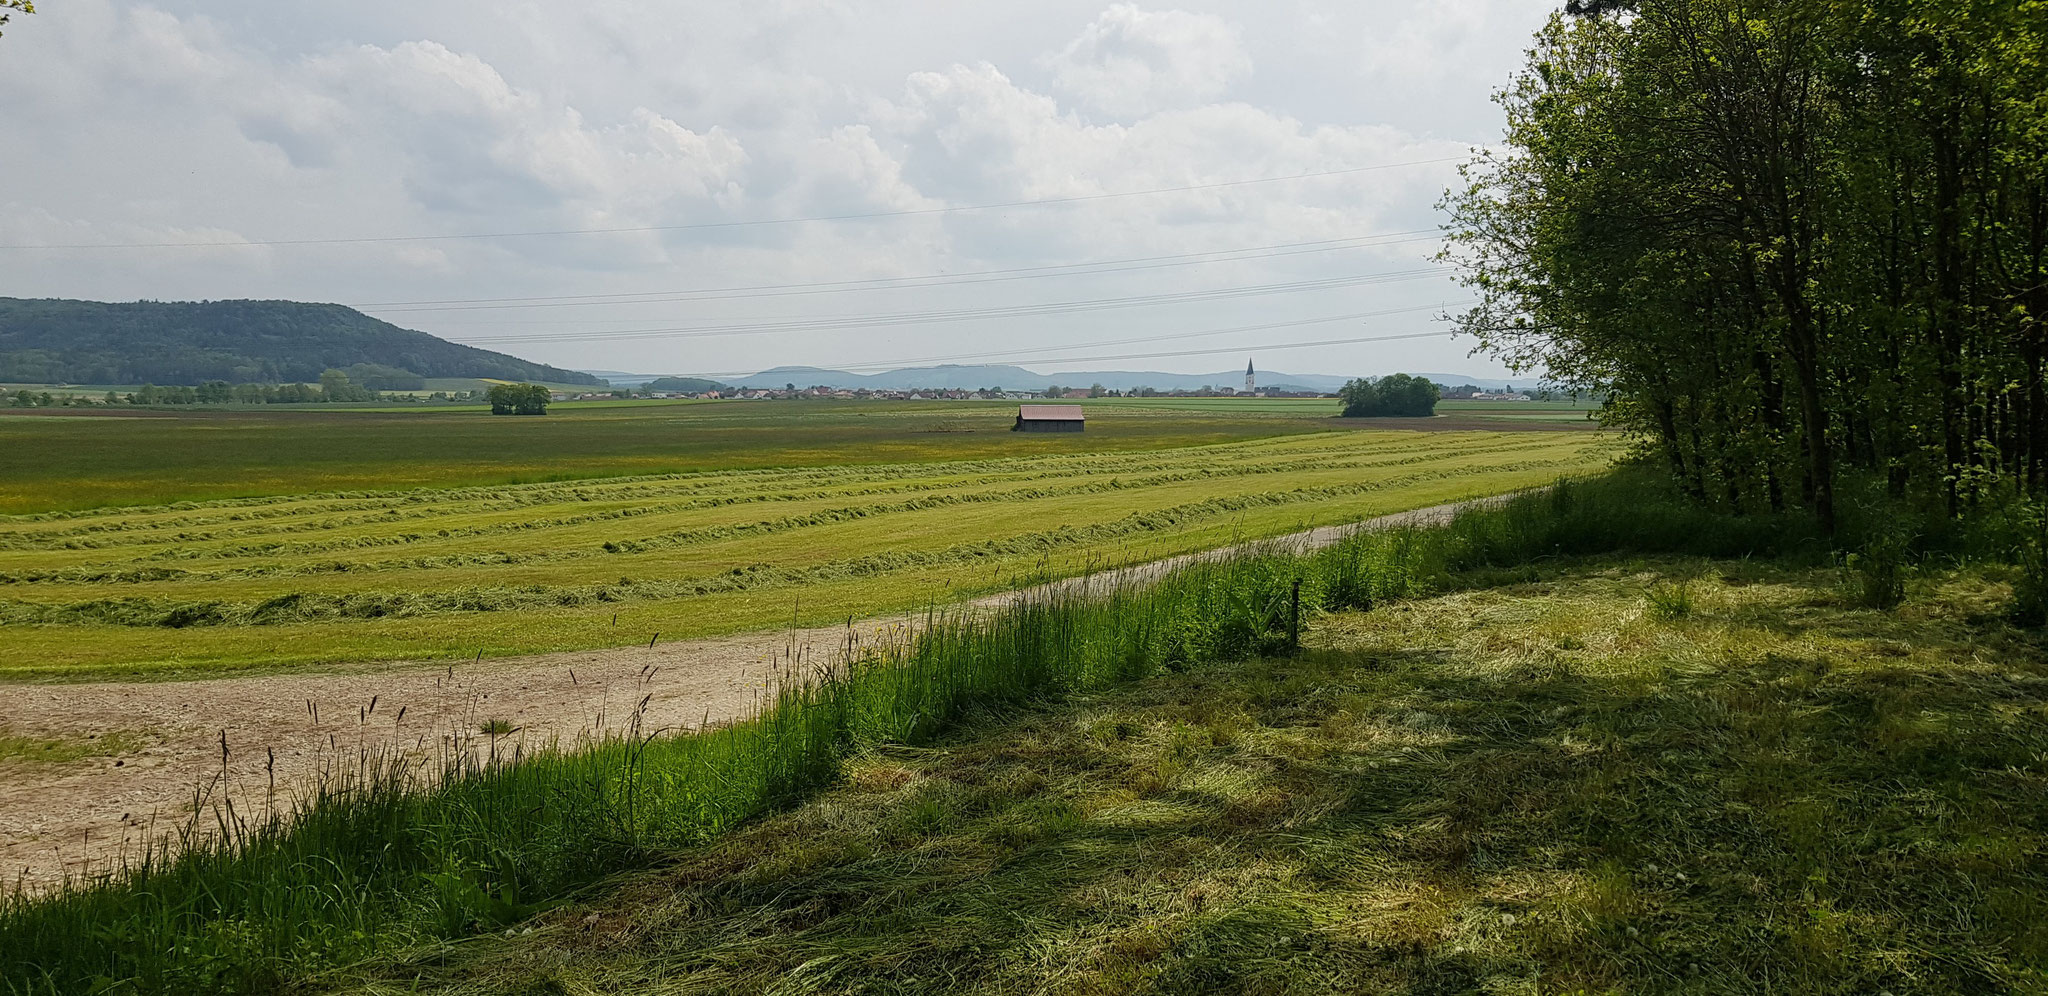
pixel 335 578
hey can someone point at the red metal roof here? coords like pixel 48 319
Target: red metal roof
pixel 1051 413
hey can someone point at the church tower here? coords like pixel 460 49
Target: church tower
pixel 1248 384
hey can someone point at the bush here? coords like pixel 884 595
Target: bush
pixel 519 399
pixel 1395 395
pixel 1881 566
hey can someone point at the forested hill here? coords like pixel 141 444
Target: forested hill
pixel 51 341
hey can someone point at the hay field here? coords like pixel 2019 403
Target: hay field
pixel 339 577
pixel 76 459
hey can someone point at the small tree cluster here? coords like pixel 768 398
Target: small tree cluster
pixel 519 399
pixel 1395 395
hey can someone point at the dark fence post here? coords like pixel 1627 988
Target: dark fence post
pixel 1294 617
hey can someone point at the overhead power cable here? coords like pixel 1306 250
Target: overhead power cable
pixel 1262 347
pixel 909 282
pixel 1025 356
pixel 925 318
pixel 752 223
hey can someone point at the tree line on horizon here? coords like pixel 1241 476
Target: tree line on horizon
pixel 1792 238
pixel 334 386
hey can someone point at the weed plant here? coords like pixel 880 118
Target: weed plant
pixel 1670 601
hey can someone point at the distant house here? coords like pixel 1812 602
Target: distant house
pixel 1050 418
pixel 1078 392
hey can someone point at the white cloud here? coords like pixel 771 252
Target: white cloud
pixel 461 139
pixel 1131 62
pixel 243 120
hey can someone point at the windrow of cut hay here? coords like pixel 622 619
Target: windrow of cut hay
pixel 304 606
pixel 539 568
pixel 396 850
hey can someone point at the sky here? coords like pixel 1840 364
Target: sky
pixel 720 188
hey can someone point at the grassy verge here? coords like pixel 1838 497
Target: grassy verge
pixel 385 857
pixel 1538 788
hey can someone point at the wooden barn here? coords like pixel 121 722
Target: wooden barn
pixel 1050 418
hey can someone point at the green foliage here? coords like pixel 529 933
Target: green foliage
pixel 378 377
pixel 1785 239
pixel 9 7
pixel 2030 589
pixel 1881 571
pixel 681 385
pixel 1670 601
pixel 49 341
pixel 1395 395
pixel 519 399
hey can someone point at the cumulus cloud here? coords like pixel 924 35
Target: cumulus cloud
pixel 177 121
pixel 462 139
pixel 1131 62
pixel 979 136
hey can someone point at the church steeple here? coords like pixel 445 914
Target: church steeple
pixel 1248 381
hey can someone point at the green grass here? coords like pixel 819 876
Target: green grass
pixel 379 854
pixel 90 461
pixel 22 749
pixel 340 577
pixel 1530 789
pixel 1526 783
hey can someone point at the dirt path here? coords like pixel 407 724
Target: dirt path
pixel 72 817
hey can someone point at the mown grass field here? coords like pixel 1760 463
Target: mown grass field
pixel 1546 784
pixel 1544 748
pixel 136 457
pixel 334 577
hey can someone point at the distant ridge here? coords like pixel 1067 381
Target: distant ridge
pixel 56 341
pixel 952 376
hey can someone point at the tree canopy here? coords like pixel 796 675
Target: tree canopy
pixel 1784 237
pixel 519 399
pixel 8 8
pixel 682 385
pixel 1395 395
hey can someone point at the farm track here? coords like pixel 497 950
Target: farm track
pixel 72 818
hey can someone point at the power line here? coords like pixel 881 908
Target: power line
pixel 1149 356
pixel 707 225
pixel 924 318
pixel 905 282
pixel 1025 356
